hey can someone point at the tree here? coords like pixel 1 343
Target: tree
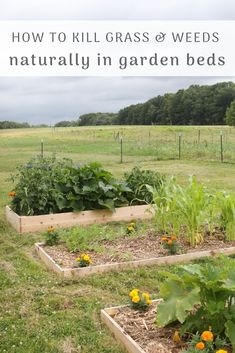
pixel 230 114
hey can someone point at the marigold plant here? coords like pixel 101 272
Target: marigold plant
pixel 206 343
pixel 140 300
pixel 12 194
pixel 51 236
pixel 131 227
pixel 84 260
pixel 170 244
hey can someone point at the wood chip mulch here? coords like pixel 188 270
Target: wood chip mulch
pixel 129 248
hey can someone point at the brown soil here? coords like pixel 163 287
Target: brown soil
pixel 131 248
pixel 142 328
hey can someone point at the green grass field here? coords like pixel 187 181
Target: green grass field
pixel 40 312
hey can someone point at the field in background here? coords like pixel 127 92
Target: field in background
pixel 40 312
pixel 154 147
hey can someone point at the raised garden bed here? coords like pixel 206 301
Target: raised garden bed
pixel 137 331
pixel 127 253
pixel 28 224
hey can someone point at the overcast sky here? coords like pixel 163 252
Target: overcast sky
pixel 49 100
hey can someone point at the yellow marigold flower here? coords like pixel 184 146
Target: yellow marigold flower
pixel 169 242
pixel 164 238
pixel 207 336
pixel 78 259
pixel 149 302
pixel 145 295
pixel 200 345
pixel 132 224
pixel 135 299
pixel 86 257
pixel 12 193
pixel 221 351
pixel 50 229
pixel 134 292
pixel 130 228
pixel 82 255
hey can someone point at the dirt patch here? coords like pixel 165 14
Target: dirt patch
pixel 131 248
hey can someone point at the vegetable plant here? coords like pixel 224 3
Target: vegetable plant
pixel 47 185
pixel 226 213
pixel 200 296
pixel 137 180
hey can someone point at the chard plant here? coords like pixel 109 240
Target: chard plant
pixel 199 297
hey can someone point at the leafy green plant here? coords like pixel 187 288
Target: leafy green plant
pixel 226 213
pixel 200 296
pixel 191 206
pixel 137 180
pixel 35 191
pixel 51 236
pixel 176 207
pixel 88 238
pixel 163 200
pixel 48 185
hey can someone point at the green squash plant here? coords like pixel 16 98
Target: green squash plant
pixel 48 185
pixel 200 296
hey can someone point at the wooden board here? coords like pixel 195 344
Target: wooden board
pixel 29 224
pixel 164 260
pixel 121 336
pixel 13 219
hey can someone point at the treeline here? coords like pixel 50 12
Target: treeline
pixel 90 119
pixel 12 125
pixel 197 105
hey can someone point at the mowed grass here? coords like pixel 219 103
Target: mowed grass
pixel 40 312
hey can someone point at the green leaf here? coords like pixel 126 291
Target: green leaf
pixel 178 306
pixel 230 332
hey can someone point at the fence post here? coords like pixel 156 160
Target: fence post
pixel 221 147
pixel 199 136
pixel 121 150
pixel 42 148
pixel 180 138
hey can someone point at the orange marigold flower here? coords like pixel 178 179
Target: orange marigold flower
pixel 200 345
pixel 170 242
pixel 173 237
pixel 12 194
pixel 164 238
pixel 50 229
pixel 207 336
